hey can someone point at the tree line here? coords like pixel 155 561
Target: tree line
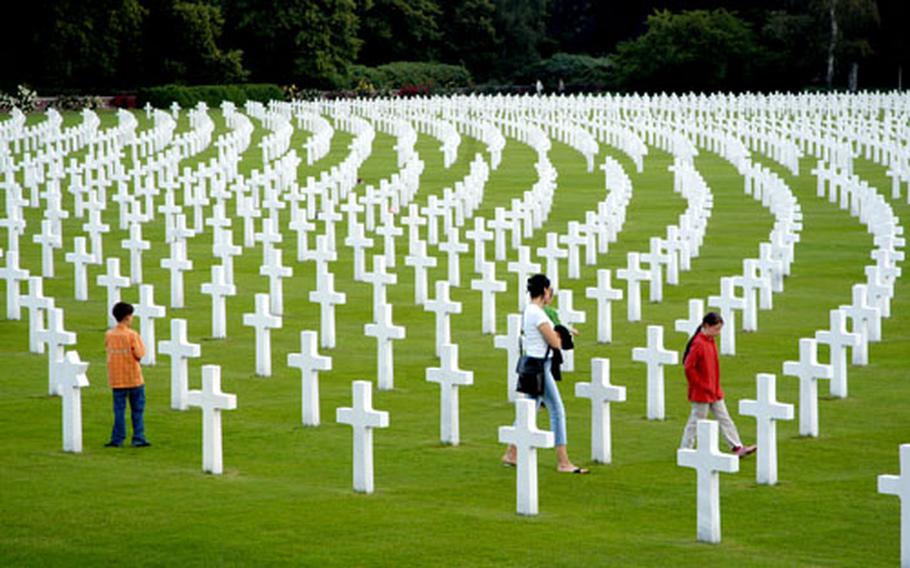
pixel 648 45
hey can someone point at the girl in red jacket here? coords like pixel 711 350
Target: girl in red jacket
pixel 703 374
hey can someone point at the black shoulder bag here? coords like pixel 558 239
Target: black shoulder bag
pixel 530 369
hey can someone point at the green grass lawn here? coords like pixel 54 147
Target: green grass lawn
pixel 286 496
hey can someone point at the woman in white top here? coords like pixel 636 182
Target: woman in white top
pixel 538 335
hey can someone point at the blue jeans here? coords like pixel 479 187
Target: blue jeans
pixel 555 408
pixel 136 396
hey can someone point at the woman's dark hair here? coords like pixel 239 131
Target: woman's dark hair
pixel 537 284
pixel 711 318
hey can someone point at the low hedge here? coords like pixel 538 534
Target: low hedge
pixel 187 96
pixel 573 69
pixel 411 74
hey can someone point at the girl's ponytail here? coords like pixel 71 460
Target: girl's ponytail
pixel 711 318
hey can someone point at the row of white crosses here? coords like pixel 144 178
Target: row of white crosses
pixel 683 242
pixel 180 349
pixel 870 303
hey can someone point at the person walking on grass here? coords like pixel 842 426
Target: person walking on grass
pixel 124 350
pixel 703 375
pixel 538 335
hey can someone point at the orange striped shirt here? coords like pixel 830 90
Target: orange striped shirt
pixel 124 350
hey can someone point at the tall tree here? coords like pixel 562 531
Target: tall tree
pixel 183 44
pixel 851 26
pixel 72 44
pixel 521 27
pixel 691 51
pixel 469 35
pixel 398 30
pixel 307 42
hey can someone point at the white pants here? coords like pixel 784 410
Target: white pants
pixel 700 412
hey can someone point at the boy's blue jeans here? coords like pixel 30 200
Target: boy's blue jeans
pixel 136 396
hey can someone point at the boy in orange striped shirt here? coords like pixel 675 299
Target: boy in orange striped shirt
pixel 124 350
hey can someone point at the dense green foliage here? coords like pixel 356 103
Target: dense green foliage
pixel 212 95
pixel 697 45
pixel 402 73
pixel 575 71
pixel 672 54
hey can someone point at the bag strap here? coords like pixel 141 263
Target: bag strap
pixel 521 333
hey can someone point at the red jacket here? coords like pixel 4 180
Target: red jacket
pixel 703 370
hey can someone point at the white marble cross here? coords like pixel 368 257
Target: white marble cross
pixel 453 248
pixel 148 312
pixel 212 401
pixel 479 235
pixel 837 338
pixel 499 225
pixel 389 231
pixel 37 304
pixel 56 338
pixel 604 294
pixel 552 253
pixel 771 267
pixel 691 324
pixel 707 461
pixel 878 291
pixel 573 240
pixel 601 393
pixel 727 302
pixel 322 255
pixel 443 307
pixel 569 316
pixel 863 317
pixel 275 271
pixel 420 261
pixel 72 380
pixel 767 411
pixel 135 244
pixel 363 418
pixel 177 264
pixel 523 269
pixel 263 322
pixel 270 236
pixel 634 276
pixel 511 342
pixel 114 283
pixel 526 438
pixel 379 278
pixel 385 332
pixel 357 241
pixel 488 286
pixel 655 356
pixel 327 298
pixel 899 485
pixel 751 283
pixel 656 259
pixel 302 226
pixel 310 362
pixel 179 349
pixel 13 276
pixel 808 371
pixel 80 259
pixel 49 240
pixel 449 377
pixel 218 289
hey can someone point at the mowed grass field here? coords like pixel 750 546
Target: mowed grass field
pixel 286 495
